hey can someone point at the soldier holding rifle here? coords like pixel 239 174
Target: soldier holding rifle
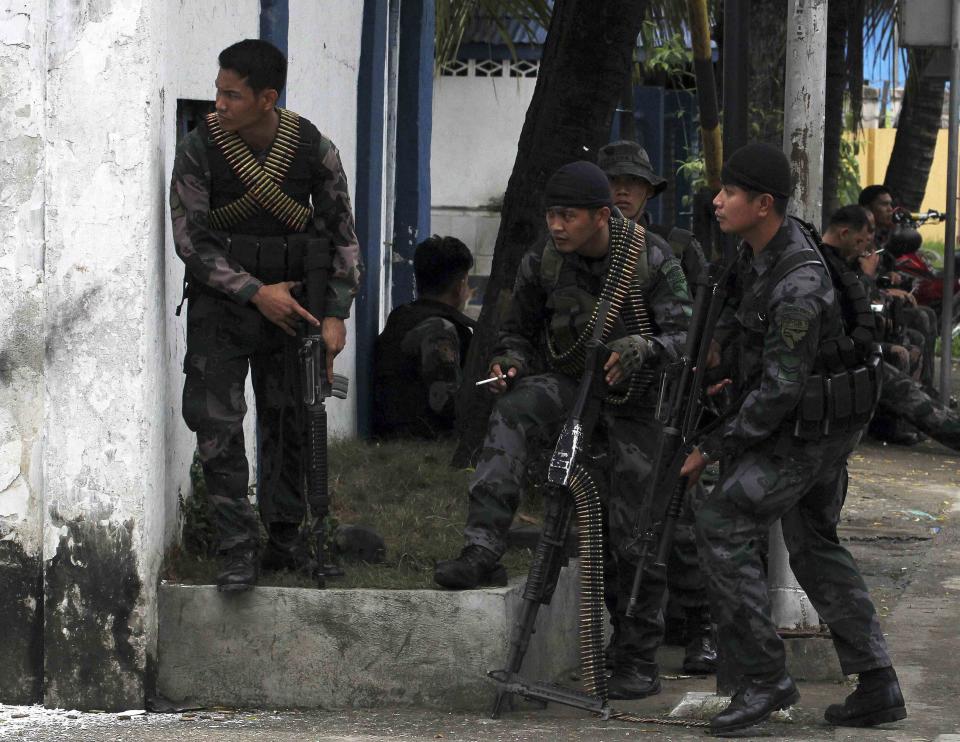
pixel 258 199
pixel 784 451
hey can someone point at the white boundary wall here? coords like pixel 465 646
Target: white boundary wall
pixel 93 451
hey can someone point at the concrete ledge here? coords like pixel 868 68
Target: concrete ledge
pixel 301 648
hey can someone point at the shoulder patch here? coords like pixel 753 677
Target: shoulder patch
pixel 794 325
pixel 677 281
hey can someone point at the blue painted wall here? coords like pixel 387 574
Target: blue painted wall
pixel 274 25
pixel 370 130
pixel 414 117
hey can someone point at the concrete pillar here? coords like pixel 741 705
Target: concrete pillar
pixel 804 110
pixel 22 73
pixel 104 363
pixel 804 104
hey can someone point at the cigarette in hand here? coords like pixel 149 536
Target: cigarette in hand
pixel 491 380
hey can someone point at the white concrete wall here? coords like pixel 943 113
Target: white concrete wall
pixel 105 371
pixel 22 124
pixel 323 48
pixel 476 127
pixel 22 71
pixel 197 31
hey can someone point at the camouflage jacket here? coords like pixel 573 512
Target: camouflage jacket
pixel 665 290
pixel 203 249
pixel 418 360
pixel 777 340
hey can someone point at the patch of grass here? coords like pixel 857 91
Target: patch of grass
pixel 405 490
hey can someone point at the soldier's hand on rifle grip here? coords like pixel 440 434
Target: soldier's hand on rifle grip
pixel 276 303
pixel 693 467
pixel 613 369
pixel 334 332
pixel 500 385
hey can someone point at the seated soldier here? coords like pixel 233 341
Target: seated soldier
pixel 922 320
pixel 552 312
pixel 420 353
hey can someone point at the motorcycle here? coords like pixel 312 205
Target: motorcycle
pixel 904 245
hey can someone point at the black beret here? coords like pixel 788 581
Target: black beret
pixel 759 167
pixel 580 185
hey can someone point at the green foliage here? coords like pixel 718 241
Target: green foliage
pixel 848 174
pixel 197 536
pixel 693 169
pixel 665 52
pixel 405 490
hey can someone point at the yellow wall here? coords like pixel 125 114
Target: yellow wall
pixel 875 148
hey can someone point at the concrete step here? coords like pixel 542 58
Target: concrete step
pixel 275 647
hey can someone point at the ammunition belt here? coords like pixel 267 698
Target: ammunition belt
pixel 262 181
pixel 627 247
pixel 589 512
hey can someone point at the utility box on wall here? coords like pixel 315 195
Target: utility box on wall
pixel 925 22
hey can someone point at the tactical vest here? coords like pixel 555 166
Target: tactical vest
pixel 686 248
pixel 268 198
pixel 401 399
pixel 573 308
pixel 841 393
pixel 264 207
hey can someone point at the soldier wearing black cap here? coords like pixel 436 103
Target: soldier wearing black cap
pixel 536 376
pixel 633 183
pixel 783 310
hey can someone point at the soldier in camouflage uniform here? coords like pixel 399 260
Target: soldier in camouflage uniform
pixel 632 183
pixel 244 254
pixel 780 320
pixel 901 397
pixel 555 293
pixel 420 353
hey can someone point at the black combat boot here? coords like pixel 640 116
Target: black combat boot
pixel 632 680
pixel 700 657
pixel 877 700
pixel 475 567
pixel 240 569
pixel 286 550
pixel 753 702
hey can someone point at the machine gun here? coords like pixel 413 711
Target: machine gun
pixel 569 487
pixel 679 409
pixel 316 387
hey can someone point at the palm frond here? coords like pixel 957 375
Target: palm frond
pixel 455 17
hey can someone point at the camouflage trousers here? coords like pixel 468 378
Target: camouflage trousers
pixel 223 340
pixel 902 398
pixel 803 485
pixel 923 320
pixel 530 415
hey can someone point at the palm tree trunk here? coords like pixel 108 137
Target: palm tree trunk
pixel 916 137
pixel 833 126
pixel 586 60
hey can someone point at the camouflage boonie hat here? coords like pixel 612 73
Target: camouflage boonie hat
pixel 629 158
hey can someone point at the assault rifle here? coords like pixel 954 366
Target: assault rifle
pixel 679 409
pixel 551 553
pixel 316 388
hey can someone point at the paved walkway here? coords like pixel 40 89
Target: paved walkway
pixel 902 521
